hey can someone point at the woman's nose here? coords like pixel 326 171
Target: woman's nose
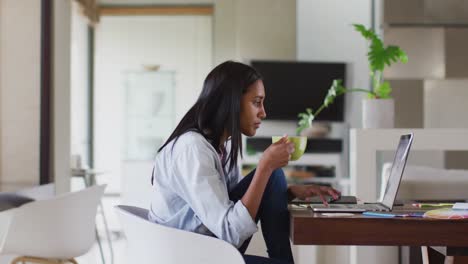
pixel 262 113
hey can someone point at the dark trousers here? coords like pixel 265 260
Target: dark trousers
pixel 274 217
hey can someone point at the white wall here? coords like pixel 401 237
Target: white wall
pixel 61 95
pixel 444 107
pixel 1 118
pixel 260 29
pixel 154 2
pixel 445 103
pixel 80 104
pixel 224 31
pixel 325 33
pixel 19 92
pixel 178 43
pixel 425 61
pixel 266 29
pixel 244 29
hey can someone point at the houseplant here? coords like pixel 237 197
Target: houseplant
pixel 379 57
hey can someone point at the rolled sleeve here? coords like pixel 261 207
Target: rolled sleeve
pixel 248 226
pixel 204 188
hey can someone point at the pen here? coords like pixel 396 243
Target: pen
pixel 416 214
pixel 380 214
pixel 425 205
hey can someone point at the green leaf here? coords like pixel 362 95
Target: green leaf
pixel 305 120
pixel 367 34
pixel 335 89
pixel 383 90
pixel 378 55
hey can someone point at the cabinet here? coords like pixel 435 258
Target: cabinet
pixel 149 112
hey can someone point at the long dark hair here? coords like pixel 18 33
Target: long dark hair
pixel 218 108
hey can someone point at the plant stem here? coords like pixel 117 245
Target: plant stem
pixel 377 79
pixel 358 90
pixel 319 110
pixel 323 106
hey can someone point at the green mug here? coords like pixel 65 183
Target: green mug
pixel 300 144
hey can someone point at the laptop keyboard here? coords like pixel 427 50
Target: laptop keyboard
pixel 372 207
pixel 368 207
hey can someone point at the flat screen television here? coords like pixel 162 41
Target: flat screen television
pixel 291 87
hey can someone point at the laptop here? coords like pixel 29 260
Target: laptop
pixel 391 189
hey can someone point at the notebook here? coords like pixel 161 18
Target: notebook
pixel 391 189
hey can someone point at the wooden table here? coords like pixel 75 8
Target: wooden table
pixel 309 228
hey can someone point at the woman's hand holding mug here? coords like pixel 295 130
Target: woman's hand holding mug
pixel 278 154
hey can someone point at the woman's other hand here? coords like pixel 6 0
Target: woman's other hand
pixel 277 155
pixel 304 192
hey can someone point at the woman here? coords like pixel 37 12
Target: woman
pixel 196 181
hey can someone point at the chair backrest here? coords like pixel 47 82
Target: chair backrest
pixel 40 192
pixel 153 243
pixel 60 227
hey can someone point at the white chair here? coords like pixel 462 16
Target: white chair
pixel 153 243
pixel 54 230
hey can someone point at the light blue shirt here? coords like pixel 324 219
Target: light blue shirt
pixel 190 192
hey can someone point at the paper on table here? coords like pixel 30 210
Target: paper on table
pixel 337 214
pixel 447 213
pixel 460 206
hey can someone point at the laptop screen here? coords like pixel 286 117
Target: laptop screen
pixel 396 172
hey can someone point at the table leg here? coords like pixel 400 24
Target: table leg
pixel 109 239
pixel 425 255
pixel 88 183
pixel 90 180
pixel 100 247
pixel 433 256
pixel 449 260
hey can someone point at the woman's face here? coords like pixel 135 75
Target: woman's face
pixel 251 110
